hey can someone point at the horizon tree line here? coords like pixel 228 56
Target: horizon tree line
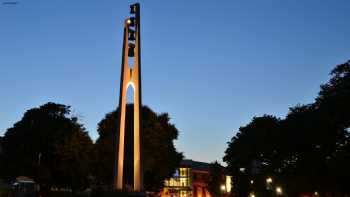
pixel 51 146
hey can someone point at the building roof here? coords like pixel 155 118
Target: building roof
pixel 198 165
pixel 24 179
pixel 195 165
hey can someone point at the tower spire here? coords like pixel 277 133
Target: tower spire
pixel 130 76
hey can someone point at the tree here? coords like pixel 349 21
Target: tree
pixel 160 157
pixel 216 179
pixel 335 95
pixel 1 157
pixel 254 150
pixel 310 146
pixel 259 140
pixel 333 102
pixel 50 146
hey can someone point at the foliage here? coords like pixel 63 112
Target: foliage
pixel 159 153
pixel 6 192
pixel 49 146
pixel 310 146
pixel 216 178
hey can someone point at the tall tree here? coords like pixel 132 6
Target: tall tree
pixel 259 140
pixel 1 157
pixel 216 179
pixel 159 153
pixel 254 150
pixel 310 146
pixel 333 103
pixel 49 145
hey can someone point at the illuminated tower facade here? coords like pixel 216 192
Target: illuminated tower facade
pixel 130 76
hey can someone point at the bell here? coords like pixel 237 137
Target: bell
pixel 131 50
pixel 131 21
pixel 133 8
pixel 131 35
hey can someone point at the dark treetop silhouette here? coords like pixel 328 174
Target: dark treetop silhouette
pixel 160 155
pixel 311 146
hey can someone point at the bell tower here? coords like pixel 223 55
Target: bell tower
pixel 130 76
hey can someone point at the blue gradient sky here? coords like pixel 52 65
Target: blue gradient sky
pixel 212 65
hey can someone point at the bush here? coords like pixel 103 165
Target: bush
pixel 6 192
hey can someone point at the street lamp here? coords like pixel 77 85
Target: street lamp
pixel 268 183
pixel 279 191
pixel 268 180
pixel 223 188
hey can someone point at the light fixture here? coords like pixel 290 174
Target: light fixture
pixel 279 190
pixel 223 188
pixel 131 52
pixel 131 21
pixel 228 184
pixel 269 180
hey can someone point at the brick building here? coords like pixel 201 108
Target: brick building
pixel 190 180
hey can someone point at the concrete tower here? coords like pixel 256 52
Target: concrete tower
pixel 130 76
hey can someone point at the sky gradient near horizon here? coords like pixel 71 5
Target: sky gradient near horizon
pixel 212 65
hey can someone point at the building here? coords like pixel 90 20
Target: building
pixel 190 180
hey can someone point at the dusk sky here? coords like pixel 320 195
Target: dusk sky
pixel 212 65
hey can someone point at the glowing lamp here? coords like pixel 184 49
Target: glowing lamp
pixel 279 190
pixel 131 21
pixel 269 180
pixel 223 188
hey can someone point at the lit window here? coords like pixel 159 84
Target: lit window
pixel 228 183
